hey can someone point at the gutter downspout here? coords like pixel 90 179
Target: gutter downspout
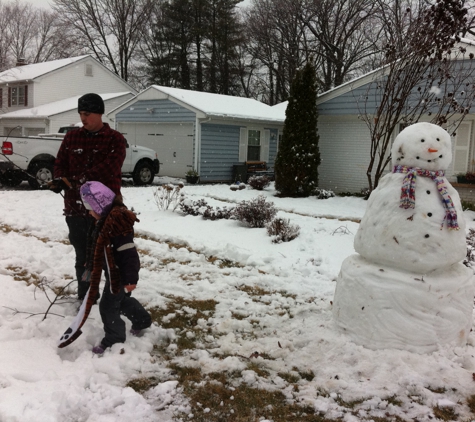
pixel 197 160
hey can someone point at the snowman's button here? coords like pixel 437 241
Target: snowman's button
pixel 428 192
pixel 426 236
pixel 429 214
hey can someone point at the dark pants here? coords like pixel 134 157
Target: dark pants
pixel 78 229
pixel 112 306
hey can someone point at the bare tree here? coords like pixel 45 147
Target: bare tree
pixel 21 26
pixel 111 29
pixel 426 73
pixel 343 34
pixel 278 41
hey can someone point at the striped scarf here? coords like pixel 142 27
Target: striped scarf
pixel 408 192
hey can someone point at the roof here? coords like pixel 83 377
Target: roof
pixel 33 71
pixel 56 107
pixel 218 105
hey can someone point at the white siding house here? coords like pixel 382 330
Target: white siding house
pixel 30 87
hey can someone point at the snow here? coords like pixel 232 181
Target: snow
pixel 407 288
pixel 56 107
pixel 292 322
pixel 218 105
pixel 35 70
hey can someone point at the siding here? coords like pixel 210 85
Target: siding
pixel 155 111
pixel 71 80
pixel 344 150
pixel 219 152
pixel 351 103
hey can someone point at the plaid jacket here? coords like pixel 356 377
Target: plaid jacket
pixel 85 156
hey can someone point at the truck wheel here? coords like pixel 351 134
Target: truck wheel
pixel 42 172
pixel 11 178
pixel 143 173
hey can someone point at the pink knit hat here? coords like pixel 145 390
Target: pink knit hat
pixel 97 197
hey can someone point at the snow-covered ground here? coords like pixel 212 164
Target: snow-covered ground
pixel 273 299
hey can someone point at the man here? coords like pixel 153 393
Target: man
pixel 93 152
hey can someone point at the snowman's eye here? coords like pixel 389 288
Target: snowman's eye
pixel 440 156
pixel 429 161
pixel 423 140
pixel 417 158
pixel 438 140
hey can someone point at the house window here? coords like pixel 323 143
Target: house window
pixel 89 69
pixel 18 96
pixel 254 145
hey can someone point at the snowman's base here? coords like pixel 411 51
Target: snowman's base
pixel 382 308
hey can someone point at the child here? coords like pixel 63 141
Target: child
pixel 110 245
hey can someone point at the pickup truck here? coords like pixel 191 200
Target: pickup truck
pixel 33 158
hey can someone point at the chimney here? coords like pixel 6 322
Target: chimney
pixel 21 62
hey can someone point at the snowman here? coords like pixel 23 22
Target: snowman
pixel 406 287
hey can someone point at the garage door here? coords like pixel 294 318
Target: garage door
pixel 172 141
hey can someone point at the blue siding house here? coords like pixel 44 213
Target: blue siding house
pixel 197 130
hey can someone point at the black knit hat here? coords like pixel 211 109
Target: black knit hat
pixel 92 103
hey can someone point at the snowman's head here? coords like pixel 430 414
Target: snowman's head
pixel 422 145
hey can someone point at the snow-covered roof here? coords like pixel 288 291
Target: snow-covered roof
pixel 218 105
pixel 56 107
pixel 32 71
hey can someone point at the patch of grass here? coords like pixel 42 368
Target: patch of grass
pixel 467 205
pixel 254 290
pixel 306 375
pixel 141 385
pixel 20 274
pixel 349 404
pixel 9 229
pixel 174 316
pixel 186 374
pixel 437 390
pixel 445 413
pixel 215 401
pixel 289 377
pixel 257 368
pixel 471 403
pixel 183 320
pixel 394 401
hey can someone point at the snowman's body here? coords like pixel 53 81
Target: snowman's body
pixel 407 288
pixel 412 239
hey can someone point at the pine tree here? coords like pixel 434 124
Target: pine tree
pixel 298 158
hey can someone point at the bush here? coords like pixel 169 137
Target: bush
pixel 324 194
pixel 258 182
pixel 167 196
pixel 255 213
pixel 193 207
pixel 219 213
pixel 469 260
pixel 282 230
pixel 202 208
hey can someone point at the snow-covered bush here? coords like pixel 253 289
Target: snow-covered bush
pixel 256 212
pixel 282 230
pixel 469 260
pixel 169 196
pixel 323 194
pixel 237 186
pixel 201 207
pixel 258 182
pixel 193 207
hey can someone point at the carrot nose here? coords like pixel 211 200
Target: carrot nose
pixel 433 150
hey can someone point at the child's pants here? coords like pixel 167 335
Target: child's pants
pixel 112 307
